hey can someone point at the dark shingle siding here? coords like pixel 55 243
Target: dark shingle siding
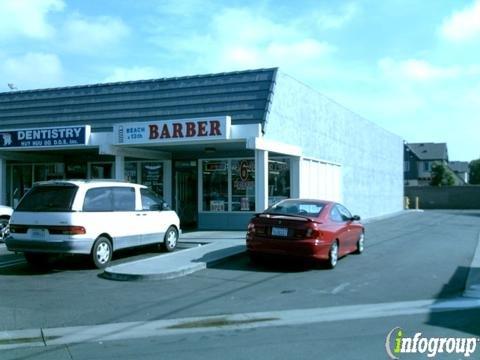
pixel 243 95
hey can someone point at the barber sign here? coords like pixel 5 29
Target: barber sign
pixel 170 131
pixel 45 137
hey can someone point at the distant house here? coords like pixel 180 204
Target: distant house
pixel 460 168
pixel 418 161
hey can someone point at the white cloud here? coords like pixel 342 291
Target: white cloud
pixel 83 35
pixel 32 70
pixel 463 25
pixel 27 18
pixel 301 50
pixel 416 70
pixel 337 20
pixel 240 38
pixel 133 73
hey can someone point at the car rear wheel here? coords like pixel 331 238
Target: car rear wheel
pixel 171 239
pixel 102 252
pixel 360 244
pixel 333 255
pixel 38 260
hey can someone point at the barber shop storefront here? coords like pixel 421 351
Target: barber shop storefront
pixel 202 166
pixel 217 147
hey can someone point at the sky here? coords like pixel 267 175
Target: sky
pixel 412 67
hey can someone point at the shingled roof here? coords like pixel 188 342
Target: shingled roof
pixel 459 166
pixel 429 151
pixel 243 95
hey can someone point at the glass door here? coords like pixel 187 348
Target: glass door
pixel 101 170
pixel 21 182
pixel 186 193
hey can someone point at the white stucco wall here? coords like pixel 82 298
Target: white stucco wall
pixel 371 158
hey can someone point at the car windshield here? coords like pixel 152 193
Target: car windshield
pixel 296 207
pixel 48 198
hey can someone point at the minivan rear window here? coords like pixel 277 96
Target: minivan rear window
pixel 49 198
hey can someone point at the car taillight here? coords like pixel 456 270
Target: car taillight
pixel 66 230
pixel 313 233
pixel 251 227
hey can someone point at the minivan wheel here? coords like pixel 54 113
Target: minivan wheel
pixel 171 239
pixel 4 228
pixel 38 260
pixel 102 252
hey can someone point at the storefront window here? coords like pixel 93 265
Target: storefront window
pixel 243 185
pixel 101 170
pixel 22 180
pixel 215 185
pixel 152 176
pixel 45 172
pixel 76 171
pixel 131 172
pixel 278 179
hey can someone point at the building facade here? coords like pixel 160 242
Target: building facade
pixel 217 147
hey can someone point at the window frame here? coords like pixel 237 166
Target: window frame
pixel 147 190
pixel 230 184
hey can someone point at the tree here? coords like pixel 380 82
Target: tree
pixel 474 168
pixel 442 175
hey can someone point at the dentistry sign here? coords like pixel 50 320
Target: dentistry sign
pixel 45 137
pixel 171 131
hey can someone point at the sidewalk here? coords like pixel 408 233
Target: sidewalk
pixel 213 246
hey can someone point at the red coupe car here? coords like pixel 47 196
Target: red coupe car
pixel 309 229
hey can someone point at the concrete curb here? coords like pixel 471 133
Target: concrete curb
pixel 472 285
pixel 208 255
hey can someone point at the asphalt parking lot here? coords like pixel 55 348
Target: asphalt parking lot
pixel 409 258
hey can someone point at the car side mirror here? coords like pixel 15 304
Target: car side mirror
pixel 356 218
pixel 165 206
pixel 159 207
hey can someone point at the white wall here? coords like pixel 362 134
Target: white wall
pixel 320 180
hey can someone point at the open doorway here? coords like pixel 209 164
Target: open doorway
pixel 186 190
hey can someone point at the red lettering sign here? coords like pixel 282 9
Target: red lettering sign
pixel 177 130
pixel 165 132
pixel 215 128
pixel 202 128
pixel 153 131
pixel 191 129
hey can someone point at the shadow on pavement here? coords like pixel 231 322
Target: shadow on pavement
pixel 242 262
pixel 450 319
pixel 60 263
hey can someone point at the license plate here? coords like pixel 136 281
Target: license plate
pixel 38 234
pixel 276 231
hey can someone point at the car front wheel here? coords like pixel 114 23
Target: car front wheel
pixel 102 252
pixel 360 244
pixel 171 239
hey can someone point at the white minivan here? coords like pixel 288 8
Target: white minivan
pixel 92 217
